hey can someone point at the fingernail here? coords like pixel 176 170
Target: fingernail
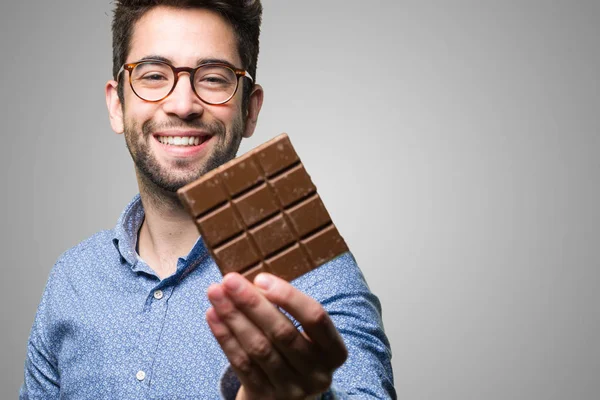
pixel 233 283
pixel 263 281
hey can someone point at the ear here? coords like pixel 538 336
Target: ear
pixel 115 111
pixel 254 106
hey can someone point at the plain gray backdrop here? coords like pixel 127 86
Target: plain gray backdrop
pixel 456 145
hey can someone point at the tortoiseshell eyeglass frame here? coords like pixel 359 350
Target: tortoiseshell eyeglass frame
pixel 191 71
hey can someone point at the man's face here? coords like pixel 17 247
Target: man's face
pixel 185 38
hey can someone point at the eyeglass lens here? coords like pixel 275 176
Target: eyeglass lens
pixel 153 81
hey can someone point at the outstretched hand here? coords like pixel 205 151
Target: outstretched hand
pixel 272 359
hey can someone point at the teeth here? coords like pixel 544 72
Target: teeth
pixel 180 141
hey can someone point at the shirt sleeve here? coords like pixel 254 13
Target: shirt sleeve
pixel 356 312
pixel 340 287
pixel 41 380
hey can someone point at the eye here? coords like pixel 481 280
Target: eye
pixel 152 72
pixel 154 76
pixel 214 79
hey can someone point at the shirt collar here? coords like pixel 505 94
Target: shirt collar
pixel 126 231
pixel 126 236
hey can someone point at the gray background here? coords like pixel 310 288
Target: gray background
pixel 455 144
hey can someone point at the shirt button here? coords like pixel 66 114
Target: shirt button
pixel 141 375
pixel 158 294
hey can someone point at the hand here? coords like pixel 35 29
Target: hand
pixel 272 359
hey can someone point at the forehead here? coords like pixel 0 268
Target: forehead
pixel 184 36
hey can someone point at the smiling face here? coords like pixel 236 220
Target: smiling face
pixel 178 139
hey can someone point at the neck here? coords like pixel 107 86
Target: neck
pixel 167 233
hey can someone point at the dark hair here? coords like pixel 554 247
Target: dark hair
pixel 243 15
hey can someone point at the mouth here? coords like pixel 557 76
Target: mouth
pixel 182 141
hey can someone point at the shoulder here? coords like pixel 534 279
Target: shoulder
pixel 98 244
pixel 86 256
pixel 338 276
pixel 341 269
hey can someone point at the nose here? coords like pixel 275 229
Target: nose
pixel 183 102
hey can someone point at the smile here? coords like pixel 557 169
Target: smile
pixel 182 140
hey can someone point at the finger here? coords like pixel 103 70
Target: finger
pixel 255 344
pixel 250 375
pixel 302 354
pixel 298 351
pixel 314 319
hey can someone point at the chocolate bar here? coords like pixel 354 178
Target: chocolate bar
pixel 261 213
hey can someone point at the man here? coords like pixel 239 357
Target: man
pixel 134 313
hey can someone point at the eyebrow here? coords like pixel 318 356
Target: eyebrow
pixel 200 61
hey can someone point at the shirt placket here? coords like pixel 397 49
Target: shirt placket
pixel 151 324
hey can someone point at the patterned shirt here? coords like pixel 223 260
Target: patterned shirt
pixel 108 328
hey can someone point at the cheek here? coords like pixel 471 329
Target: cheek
pixel 135 114
pixel 134 107
pixel 228 113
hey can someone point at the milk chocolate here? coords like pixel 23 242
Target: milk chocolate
pixel 261 213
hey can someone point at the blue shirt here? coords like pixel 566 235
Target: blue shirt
pixel 108 328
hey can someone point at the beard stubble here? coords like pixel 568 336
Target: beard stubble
pixel 224 148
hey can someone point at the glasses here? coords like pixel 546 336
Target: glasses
pixel 213 83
